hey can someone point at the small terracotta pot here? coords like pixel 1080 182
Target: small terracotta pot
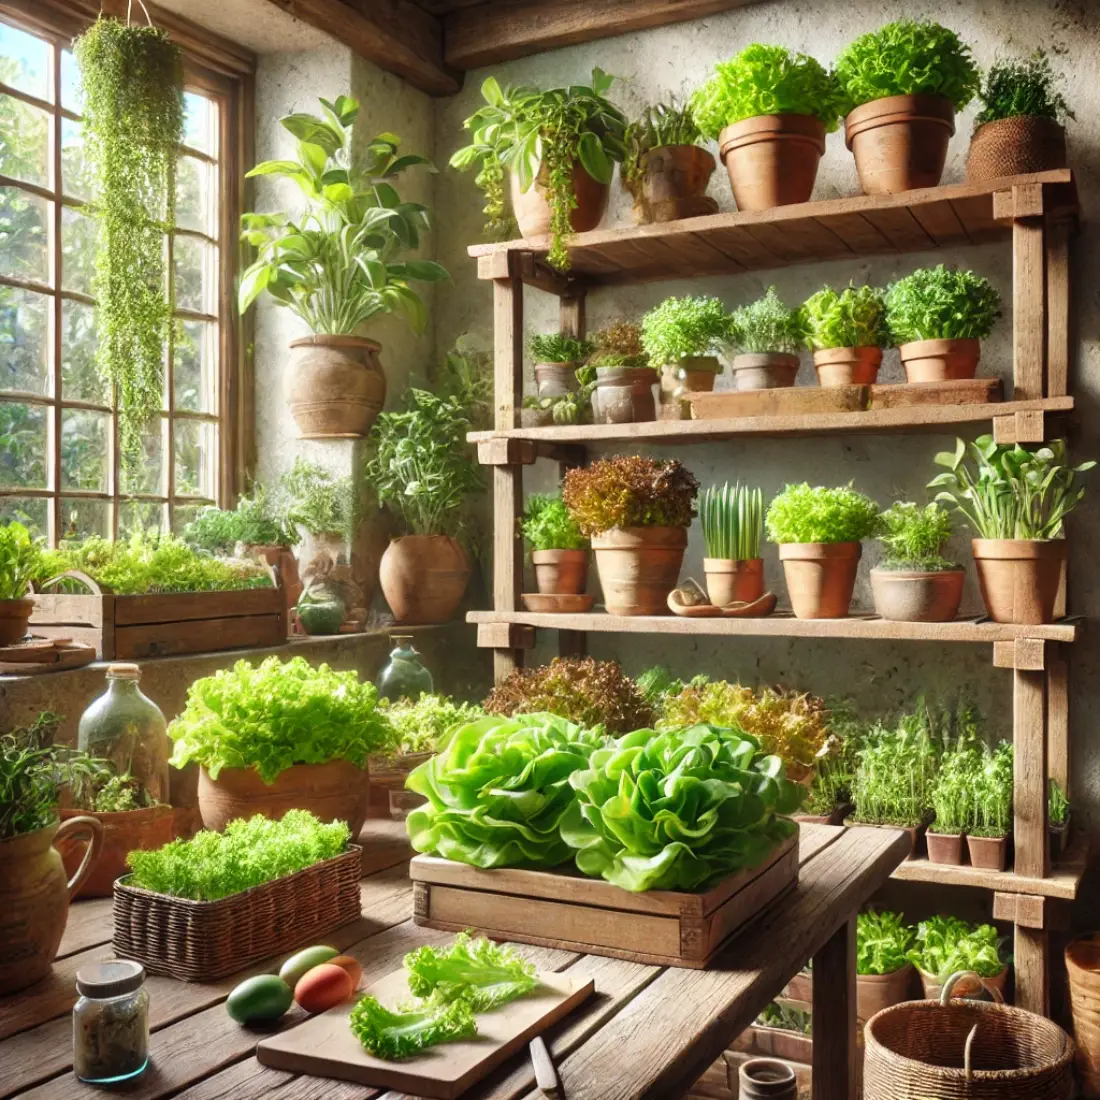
pixel 638 567
pixel 560 572
pixel 940 360
pixel 693 375
pixel 772 159
pixel 532 211
pixel 624 395
pixel 1020 578
pixel 988 853
pixel 946 848
pixel 731 581
pixel 768 370
pixel 423 578
pixel 556 379
pixel 917 597
pixel 335 386
pixel 673 184
pixel 971 988
pixel 1015 147
pixel 874 992
pixel 766 1079
pixel 900 141
pixel 821 577
pixel 847 366
pixel 15 617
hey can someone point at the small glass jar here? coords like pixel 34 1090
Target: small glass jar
pixel 111 1022
pixel 405 677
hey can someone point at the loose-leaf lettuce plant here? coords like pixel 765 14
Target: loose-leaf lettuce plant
pixel 947 944
pixel 941 303
pixel 547 524
pixel 629 491
pixel 883 942
pixel 421 725
pixel 853 318
pixel 802 513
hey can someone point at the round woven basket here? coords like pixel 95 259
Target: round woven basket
pixel 965 1050
pixel 1015 146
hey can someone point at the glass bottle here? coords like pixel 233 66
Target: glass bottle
pixel 111 1022
pixel 127 728
pixel 405 677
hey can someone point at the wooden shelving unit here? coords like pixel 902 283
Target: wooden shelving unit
pixel 1036 214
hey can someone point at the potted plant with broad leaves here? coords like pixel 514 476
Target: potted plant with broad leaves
pixel 990 827
pixel 1058 819
pixel 559 146
pixel 624 377
pixel 557 357
pixel 667 167
pixel 1020 125
pixel 559 552
pixel 945 945
pixel 953 794
pixel 20 565
pixel 682 336
pixel 846 332
pixel 420 469
pixel 1015 502
pixel 914 582
pixel 884 971
pixel 636 512
pixel 767 336
pixel 338 267
pixel 901 86
pixel 732 517
pixel 819 532
pixel 769 109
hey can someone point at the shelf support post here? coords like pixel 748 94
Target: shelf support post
pixel 1029 735
pixel 1029 286
pixel 834 1014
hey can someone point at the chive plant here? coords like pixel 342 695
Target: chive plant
pixel 733 521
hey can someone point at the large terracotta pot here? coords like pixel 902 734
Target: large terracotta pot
pixel 15 617
pixel 1083 967
pixel 821 577
pixel 123 833
pixel 1020 578
pixel 335 386
pixel 900 141
pixel 423 578
pixel 847 366
pixel 874 992
pixel 772 159
pixel 34 899
pixel 560 572
pixel 767 370
pixel 673 184
pixel 917 597
pixel 1015 147
pixel 336 791
pixel 731 581
pixel 940 360
pixel 624 395
pixel 532 211
pixel 639 567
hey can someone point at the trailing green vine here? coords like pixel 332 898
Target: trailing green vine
pixel 132 78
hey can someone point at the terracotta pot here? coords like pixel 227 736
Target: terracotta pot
pixel 123 833
pixel 624 395
pixel 35 896
pixel 821 577
pixel 731 581
pixel 423 578
pixel 556 379
pixel 673 184
pixel 639 567
pixel 532 211
pixel 988 853
pixel 940 360
pixel 336 791
pixel 335 386
pixel 917 597
pixel 1020 578
pixel 946 848
pixel 965 987
pixel 874 992
pixel 847 366
pixel 772 159
pixel 1015 147
pixel 693 375
pixel 15 617
pixel 1083 967
pixel 560 572
pixel 768 370
pixel 900 141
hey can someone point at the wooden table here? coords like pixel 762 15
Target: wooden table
pixel 649 1032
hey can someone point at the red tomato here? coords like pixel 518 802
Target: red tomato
pixel 322 987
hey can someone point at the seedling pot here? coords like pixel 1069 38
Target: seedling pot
pixel 821 577
pixel 560 572
pixel 556 379
pixel 1059 838
pixel 772 159
pixel 335 386
pixel 874 992
pixel 1020 578
pixel 900 142
pixel 945 848
pixel 532 210
pixel 423 578
pixel 674 184
pixel 940 360
pixel 732 581
pixel 914 832
pixel 847 366
pixel 988 853
pixel 638 567
pixel 769 370
pixel 917 597
pixel 15 617
pixel 1015 147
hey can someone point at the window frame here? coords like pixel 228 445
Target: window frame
pixel 225 73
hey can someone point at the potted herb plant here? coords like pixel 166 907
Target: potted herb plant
pixel 20 564
pixel 938 317
pixel 769 110
pixel 901 86
pixel 988 833
pixel 732 518
pixel 1016 503
pixel 1058 819
pixel 829 800
pixel 846 332
pixel 884 971
pixel 557 357
pixel 915 583
pixel 420 468
pixel 636 512
pixel 681 336
pixel 624 378
pixel 946 945
pixel 953 796
pixel 559 146
pixel 819 532
pixel 338 267
pixel 667 167
pixel 1020 125
pixel 559 552
pixel 767 336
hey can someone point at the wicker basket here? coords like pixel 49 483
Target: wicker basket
pixel 199 941
pixel 965 1050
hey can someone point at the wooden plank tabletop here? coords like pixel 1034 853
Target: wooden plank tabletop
pixel 649 1032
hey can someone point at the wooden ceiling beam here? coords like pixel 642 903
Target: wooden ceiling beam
pixel 506 29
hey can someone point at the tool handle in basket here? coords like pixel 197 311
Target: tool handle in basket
pixel 949 986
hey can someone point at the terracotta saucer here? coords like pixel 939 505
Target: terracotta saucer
pixel 557 604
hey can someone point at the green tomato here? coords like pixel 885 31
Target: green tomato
pixel 260 999
pixel 305 960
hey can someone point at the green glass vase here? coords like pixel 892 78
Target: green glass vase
pixel 405 677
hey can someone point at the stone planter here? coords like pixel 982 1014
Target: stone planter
pixel 1020 578
pixel 560 572
pixel 624 395
pixel 917 597
pixel 673 184
pixel 532 211
pixel 639 567
pixel 556 379
pixel 423 578
pixel 900 142
pixel 847 366
pixel 769 370
pixel 731 581
pixel 821 577
pixel 772 159
pixel 940 360
pixel 335 386
pixel 1015 147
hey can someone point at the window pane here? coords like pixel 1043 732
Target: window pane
pixel 24 141
pixel 22 445
pixel 29 511
pixel 194 458
pixel 84 437
pixel 139 513
pixel 24 338
pixel 77 251
pixel 72 95
pixel 81 518
pixel 76 171
pixel 183 514
pixel 195 195
pixel 196 283
pixel 25 62
pixel 147 476
pixel 80 381
pixel 195 373
pixel 200 123
pixel 23 221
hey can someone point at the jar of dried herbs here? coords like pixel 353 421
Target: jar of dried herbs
pixel 111 1022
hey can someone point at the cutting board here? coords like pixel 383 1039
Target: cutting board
pixel 324 1045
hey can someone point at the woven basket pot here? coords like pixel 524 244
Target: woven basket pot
pixel 1015 147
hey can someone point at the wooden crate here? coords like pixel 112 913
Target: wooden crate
pixel 568 911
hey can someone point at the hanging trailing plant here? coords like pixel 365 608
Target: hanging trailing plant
pixel 132 77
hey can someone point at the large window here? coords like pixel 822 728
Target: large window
pixel 59 465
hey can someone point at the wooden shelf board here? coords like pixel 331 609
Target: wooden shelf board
pixel 785 625
pixel 832 229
